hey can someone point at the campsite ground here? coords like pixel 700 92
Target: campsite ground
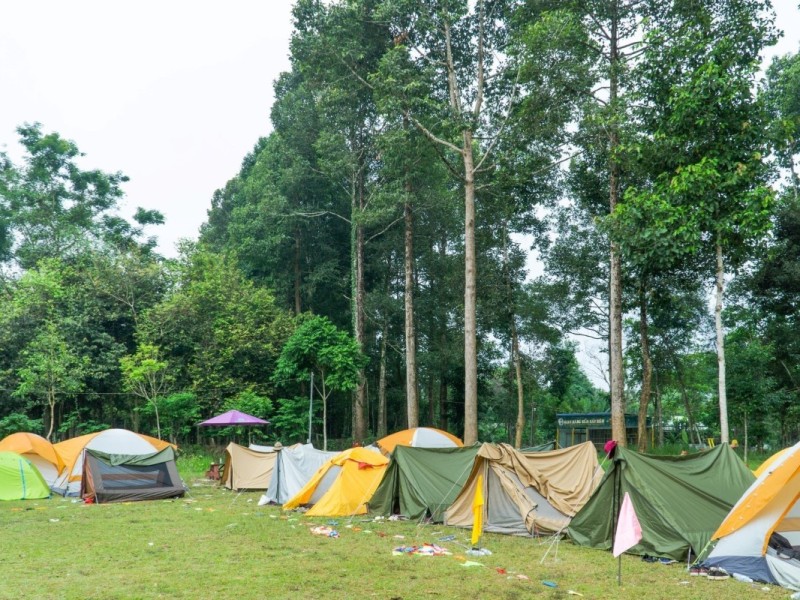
pixel 220 544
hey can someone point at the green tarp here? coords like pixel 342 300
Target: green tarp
pixel 422 481
pixel 679 500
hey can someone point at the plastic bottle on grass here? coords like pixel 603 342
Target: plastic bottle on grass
pixel 742 578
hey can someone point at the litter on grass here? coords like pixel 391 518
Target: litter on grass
pixel 325 531
pixel 424 550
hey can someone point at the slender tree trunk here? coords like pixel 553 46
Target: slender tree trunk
pixel 520 425
pixel 382 429
pixel 723 394
pixel 158 422
pixel 443 409
pixel 616 372
pixel 51 400
pixel 470 301
pixel 659 414
pixel 431 401
pixel 297 273
pixel 359 396
pixel 324 415
pixel 412 388
pixel 687 406
pixel 647 370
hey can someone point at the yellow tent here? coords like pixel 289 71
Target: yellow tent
pixel 110 441
pixel 343 485
pixel 37 450
pixel 766 464
pixel 760 537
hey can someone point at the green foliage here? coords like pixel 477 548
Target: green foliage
pixel 290 421
pixel 318 345
pixel 179 414
pixel 19 422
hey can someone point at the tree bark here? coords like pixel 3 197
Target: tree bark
pixel 470 301
pixel 359 396
pixel 297 273
pixel 412 388
pixel 647 370
pixel 520 425
pixel 723 395
pixel 616 372
pixel 382 428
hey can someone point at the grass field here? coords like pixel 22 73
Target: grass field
pixel 220 544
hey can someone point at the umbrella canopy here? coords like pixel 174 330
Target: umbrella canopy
pixel 234 417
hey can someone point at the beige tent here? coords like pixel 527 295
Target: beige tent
pixel 247 469
pixel 527 493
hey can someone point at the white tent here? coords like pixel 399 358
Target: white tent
pixel 760 537
pixel 294 467
pixel 110 441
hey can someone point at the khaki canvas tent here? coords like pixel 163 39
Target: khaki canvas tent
pixel 110 441
pixel 343 485
pixel 19 479
pixel 679 500
pixel 126 478
pixel 760 537
pixel 247 469
pixel 294 468
pixel 421 482
pixel 527 493
pixel 38 451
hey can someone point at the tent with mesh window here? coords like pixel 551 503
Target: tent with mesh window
pixel 130 477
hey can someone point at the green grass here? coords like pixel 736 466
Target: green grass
pixel 220 544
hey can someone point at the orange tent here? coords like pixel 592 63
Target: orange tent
pixel 37 450
pixel 419 437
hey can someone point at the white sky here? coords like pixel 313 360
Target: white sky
pixel 173 94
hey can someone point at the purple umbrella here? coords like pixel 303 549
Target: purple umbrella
pixel 234 417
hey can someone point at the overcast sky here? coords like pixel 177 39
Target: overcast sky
pixel 173 94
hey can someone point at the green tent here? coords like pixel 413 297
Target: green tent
pixel 679 500
pixel 19 479
pixel 422 481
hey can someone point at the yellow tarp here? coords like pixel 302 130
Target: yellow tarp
pixel 360 472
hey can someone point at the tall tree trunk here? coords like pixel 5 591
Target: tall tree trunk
pixel 297 273
pixel 412 388
pixel 520 425
pixel 382 430
pixel 51 401
pixel 431 401
pixel 324 415
pixel 359 396
pixel 687 406
pixel 647 369
pixel 616 372
pixel 659 413
pixel 470 302
pixel 443 409
pixel 723 394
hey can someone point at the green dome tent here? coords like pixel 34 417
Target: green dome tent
pixel 19 479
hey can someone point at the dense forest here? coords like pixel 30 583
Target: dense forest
pixel 452 194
